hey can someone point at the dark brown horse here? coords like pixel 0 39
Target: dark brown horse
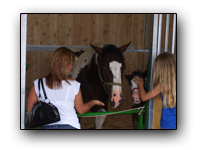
pixel 137 102
pixel 100 71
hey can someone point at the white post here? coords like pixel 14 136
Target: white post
pixel 167 32
pixel 173 32
pixel 159 33
pixel 23 67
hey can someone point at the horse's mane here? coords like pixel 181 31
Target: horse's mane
pixel 85 59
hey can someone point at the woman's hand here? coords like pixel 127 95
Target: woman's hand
pixel 138 81
pixel 97 102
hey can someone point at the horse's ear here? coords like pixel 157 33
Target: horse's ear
pixel 97 49
pixel 129 77
pixel 144 74
pixel 124 47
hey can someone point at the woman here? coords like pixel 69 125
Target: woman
pixel 62 91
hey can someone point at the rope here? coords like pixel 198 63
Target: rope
pixel 117 112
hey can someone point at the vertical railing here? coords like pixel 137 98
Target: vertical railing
pixel 167 32
pixel 173 33
pixel 23 67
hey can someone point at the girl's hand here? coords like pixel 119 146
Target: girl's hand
pixel 138 80
pixel 97 102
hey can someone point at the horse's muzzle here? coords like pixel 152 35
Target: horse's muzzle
pixel 116 99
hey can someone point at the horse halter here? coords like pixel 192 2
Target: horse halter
pixel 106 83
pixel 134 89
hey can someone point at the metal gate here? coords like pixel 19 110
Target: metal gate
pixel 155 50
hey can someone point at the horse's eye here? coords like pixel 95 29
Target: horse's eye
pixel 123 67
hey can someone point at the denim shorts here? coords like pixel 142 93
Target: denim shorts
pixel 58 126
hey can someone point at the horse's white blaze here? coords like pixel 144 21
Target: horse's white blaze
pixel 115 68
pixel 116 97
pixel 134 85
pixel 135 93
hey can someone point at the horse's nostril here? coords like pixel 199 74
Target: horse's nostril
pixel 121 101
pixel 112 103
pixel 121 95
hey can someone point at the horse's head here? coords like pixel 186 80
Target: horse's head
pixel 134 86
pixel 110 67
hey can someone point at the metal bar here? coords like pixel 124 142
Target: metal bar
pixel 167 32
pixel 173 33
pixel 91 114
pixel 23 67
pixel 159 33
pixel 153 56
pixel 140 121
pixel 54 47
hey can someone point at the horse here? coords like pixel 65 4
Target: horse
pixel 137 102
pixel 100 70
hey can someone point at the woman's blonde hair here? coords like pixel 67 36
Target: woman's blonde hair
pixel 58 69
pixel 165 73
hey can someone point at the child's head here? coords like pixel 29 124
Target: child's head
pixel 165 72
pixel 61 63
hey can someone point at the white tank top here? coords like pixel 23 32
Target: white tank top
pixel 63 99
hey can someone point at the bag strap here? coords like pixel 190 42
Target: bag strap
pixel 39 87
pixel 43 89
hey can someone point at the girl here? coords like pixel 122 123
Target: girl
pixel 165 84
pixel 62 91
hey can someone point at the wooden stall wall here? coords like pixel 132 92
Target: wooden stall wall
pixel 82 29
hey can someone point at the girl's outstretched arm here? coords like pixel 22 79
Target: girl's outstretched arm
pixel 143 95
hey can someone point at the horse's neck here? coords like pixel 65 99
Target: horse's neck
pixel 83 61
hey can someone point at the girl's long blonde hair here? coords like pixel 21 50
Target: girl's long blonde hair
pixel 58 69
pixel 165 73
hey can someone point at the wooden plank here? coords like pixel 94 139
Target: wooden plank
pixel 106 28
pixel 76 29
pixel 134 29
pixel 127 28
pixel 126 86
pixel 53 29
pixel 84 30
pixel 113 29
pixel 61 29
pixel 45 37
pixel 28 75
pixel 34 29
pixel 148 25
pixel 140 31
pixel 69 29
pixel 120 30
pixel 35 66
pixel 91 31
pixel 157 112
pixel 30 18
pixel 99 22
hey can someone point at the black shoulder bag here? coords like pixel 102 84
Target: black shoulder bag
pixel 42 113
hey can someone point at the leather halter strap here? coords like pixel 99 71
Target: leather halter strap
pixel 107 83
pixel 134 89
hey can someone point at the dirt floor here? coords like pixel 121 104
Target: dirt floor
pixel 111 122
